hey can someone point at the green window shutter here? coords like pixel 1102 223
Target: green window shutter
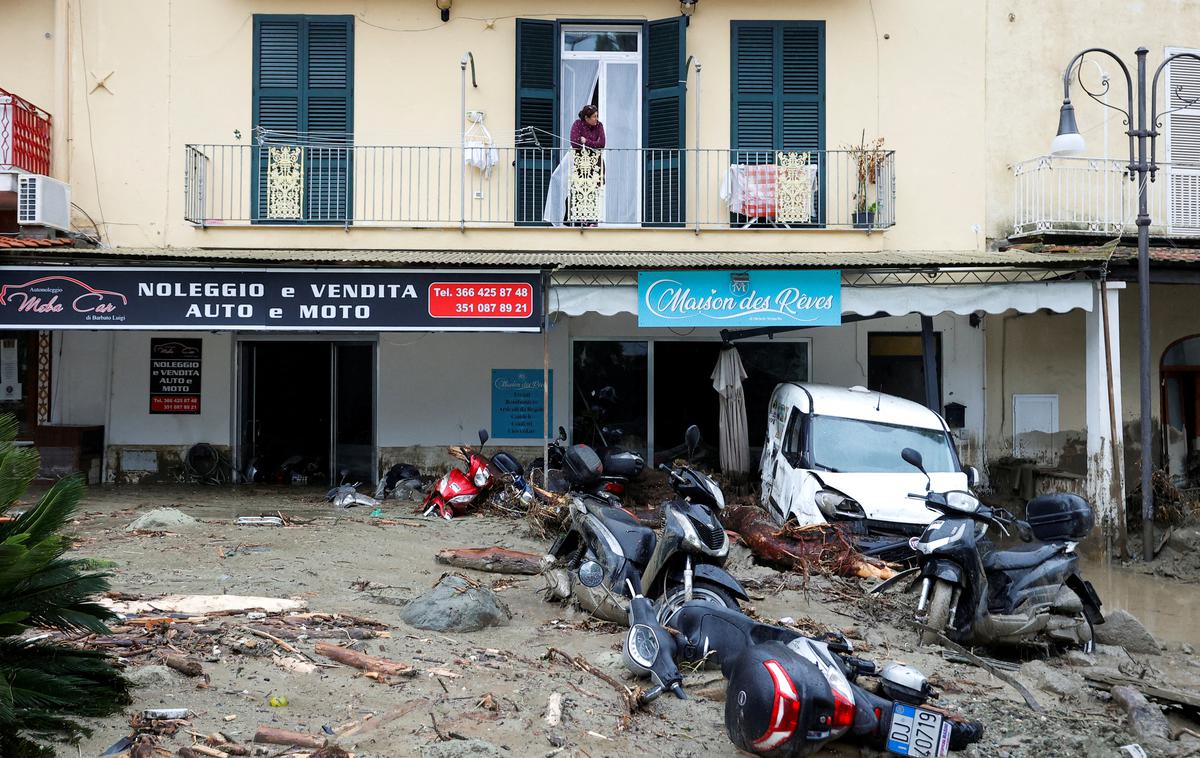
pixel 303 84
pixel 537 108
pixel 778 85
pixel 663 122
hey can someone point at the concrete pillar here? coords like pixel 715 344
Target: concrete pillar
pixel 1105 459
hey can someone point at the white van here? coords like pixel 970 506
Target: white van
pixel 833 454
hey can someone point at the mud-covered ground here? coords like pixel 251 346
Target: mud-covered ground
pixel 351 563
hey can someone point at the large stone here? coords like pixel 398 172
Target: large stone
pixel 461 749
pixel 1064 684
pixel 456 605
pixel 1184 539
pixel 1123 629
pixel 162 520
pixel 150 676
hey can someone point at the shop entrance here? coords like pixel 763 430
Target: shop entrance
pixel 307 411
pixel 1180 369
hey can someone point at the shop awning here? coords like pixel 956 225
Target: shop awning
pixel 927 300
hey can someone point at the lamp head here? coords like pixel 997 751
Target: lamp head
pixel 687 7
pixel 1068 141
pixel 444 7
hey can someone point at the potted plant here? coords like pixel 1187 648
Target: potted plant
pixel 868 158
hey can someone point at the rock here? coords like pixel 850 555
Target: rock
pixel 461 749
pixel 162 520
pixel 1184 540
pixel 150 676
pixel 1122 628
pixel 1052 680
pixel 455 605
pixel 1145 720
pixel 740 558
pixel 1078 658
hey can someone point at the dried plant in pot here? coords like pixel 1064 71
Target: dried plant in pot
pixel 868 159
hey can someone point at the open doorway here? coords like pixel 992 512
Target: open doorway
pixel 895 365
pixel 1180 369
pixel 307 411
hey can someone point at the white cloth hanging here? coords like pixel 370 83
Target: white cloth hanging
pixel 479 151
pixel 727 379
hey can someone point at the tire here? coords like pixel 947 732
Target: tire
pixel 939 612
pixel 673 598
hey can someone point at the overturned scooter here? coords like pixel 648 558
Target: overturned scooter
pixel 605 546
pixel 788 695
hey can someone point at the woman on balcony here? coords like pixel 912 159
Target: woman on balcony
pixel 587 131
pixel 586 179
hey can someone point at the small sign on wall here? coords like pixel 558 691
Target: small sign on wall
pixel 517 403
pixel 175 375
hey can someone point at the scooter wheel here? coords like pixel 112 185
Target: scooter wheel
pixel 939 612
pixel 674 598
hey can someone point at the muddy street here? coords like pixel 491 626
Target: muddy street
pixel 494 686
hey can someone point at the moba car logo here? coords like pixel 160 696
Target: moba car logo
pixel 176 348
pixel 42 296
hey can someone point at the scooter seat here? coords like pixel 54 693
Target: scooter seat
pixel 637 540
pixel 1022 557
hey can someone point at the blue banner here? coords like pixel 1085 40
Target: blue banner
pixel 517 402
pixel 740 298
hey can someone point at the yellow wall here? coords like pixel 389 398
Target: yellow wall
pixel 27 40
pixel 181 73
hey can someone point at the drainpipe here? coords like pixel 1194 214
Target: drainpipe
pixel 60 134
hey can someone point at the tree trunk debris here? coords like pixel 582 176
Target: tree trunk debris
pixel 364 662
pixel 818 549
pixel 497 560
pixel 272 736
pixel 1145 720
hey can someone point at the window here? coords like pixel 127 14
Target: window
pixel 1183 143
pixel 895 365
pixel 303 111
pixel 849 444
pixel 546 99
pixel 794 439
pixel 778 85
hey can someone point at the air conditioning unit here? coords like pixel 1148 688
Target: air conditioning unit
pixel 42 201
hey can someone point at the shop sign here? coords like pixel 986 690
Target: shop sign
pixel 175 375
pixel 518 402
pixel 269 299
pixel 740 298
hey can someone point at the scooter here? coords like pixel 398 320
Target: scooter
pixel 581 468
pixel 605 548
pixel 978 594
pixel 788 695
pixel 457 491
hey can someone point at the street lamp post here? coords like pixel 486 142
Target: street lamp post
pixel 1142 168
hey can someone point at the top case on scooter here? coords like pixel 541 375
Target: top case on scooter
pixel 774 699
pixel 583 465
pixel 508 464
pixel 623 463
pixel 1059 517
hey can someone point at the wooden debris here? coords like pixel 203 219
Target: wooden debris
pixel 498 560
pixel 628 697
pixel 1145 720
pixel 1184 700
pixel 817 549
pixel 293 665
pixel 364 662
pixel 981 663
pixel 199 605
pixel 270 735
pixel 554 709
pixel 276 640
pixel 374 722
pixel 183 665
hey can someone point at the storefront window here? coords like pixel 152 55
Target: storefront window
pixel 609 393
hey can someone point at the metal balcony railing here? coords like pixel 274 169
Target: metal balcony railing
pixel 1097 197
pixel 24 135
pixel 403 186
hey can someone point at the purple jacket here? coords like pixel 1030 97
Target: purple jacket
pixel 594 134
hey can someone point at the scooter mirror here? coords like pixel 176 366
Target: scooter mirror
pixel 562 432
pixel 912 458
pixel 591 574
pixel 692 438
pixel 483 437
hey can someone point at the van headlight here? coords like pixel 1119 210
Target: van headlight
pixel 835 505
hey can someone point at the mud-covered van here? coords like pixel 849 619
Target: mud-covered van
pixel 833 454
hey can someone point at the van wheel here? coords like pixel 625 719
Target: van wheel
pixel 939 612
pixel 674 598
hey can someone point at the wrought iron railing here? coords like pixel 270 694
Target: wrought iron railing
pixel 24 135
pixel 1097 197
pixel 403 186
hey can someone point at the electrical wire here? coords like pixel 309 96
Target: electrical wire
pixel 560 14
pixel 87 101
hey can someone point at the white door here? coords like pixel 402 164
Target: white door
pixel 1035 427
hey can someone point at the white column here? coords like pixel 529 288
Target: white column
pixel 1106 479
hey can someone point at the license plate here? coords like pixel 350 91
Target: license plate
pixel 917 732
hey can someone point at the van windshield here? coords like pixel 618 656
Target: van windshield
pixel 848 444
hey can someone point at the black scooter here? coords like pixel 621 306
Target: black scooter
pixel 978 594
pixel 581 468
pixel 789 694
pixel 606 549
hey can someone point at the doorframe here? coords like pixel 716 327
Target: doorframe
pixel 1165 372
pixel 239 338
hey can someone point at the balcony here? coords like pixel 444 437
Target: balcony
pixel 24 135
pixel 1077 196
pixel 431 187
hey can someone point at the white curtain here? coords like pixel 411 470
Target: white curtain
pixel 580 78
pixel 735 434
pixel 622 163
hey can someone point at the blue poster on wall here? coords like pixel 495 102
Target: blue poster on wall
pixel 517 402
pixel 740 298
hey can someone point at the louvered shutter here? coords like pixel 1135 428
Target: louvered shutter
pixel 330 93
pixel 778 93
pixel 663 122
pixel 1183 143
pixel 304 87
pixel 537 109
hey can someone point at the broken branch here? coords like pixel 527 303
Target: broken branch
pixel 498 560
pixel 364 662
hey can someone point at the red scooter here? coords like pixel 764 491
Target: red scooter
pixel 456 492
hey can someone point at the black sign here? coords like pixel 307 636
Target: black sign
pixel 269 299
pixel 175 375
